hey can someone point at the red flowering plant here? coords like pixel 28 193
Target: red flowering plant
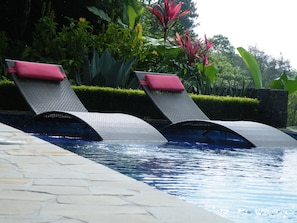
pixel 167 15
pixel 198 70
pixel 195 70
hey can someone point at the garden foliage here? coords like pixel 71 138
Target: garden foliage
pixel 107 51
pixel 77 45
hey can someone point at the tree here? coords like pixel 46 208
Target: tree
pixel 233 72
pixel 16 17
pixel 270 67
pixel 224 55
pixel 222 45
pixel 230 75
pixel 188 21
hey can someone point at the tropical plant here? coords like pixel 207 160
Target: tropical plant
pixel 65 46
pixel 107 11
pixel 106 71
pixel 284 82
pixel 153 59
pixel 45 45
pixel 76 40
pixel 292 110
pixel 133 16
pixel 271 67
pixel 129 19
pixel 252 65
pixel 121 42
pixel 167 15
pixel 198 72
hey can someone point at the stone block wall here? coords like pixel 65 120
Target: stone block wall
pixel 273 105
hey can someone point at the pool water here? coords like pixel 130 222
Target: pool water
pixel 243 185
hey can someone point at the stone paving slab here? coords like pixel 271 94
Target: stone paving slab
pixel 43 183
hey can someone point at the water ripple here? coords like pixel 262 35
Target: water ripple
pixel 246 186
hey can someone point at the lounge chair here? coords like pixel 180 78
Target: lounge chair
pixel 48 92
pixel 169 95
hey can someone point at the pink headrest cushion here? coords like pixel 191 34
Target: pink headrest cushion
pixel 164 82
pixel 38 71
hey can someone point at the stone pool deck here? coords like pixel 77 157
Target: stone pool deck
pixel 41 182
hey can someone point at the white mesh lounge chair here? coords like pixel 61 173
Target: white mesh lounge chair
pixel 48 92
pixel 168 94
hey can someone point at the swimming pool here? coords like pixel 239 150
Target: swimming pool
pixel 243 185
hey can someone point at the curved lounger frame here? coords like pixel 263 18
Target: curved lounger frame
pixel 176 105
pixel 110 127
pixel 48 92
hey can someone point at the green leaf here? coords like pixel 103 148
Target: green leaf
pixel 154 41
pixel 100 13
pixel 211 72
pixel 113 74
pixel 280 82
pixel 139 14
pixel 121 23
pixel 291 86
pixel 131 16
pixel 86 71
pixel 283 82
pixel 106 63
pixel 252 65
pixel 127 67
pixel 277 84
pixel 94 65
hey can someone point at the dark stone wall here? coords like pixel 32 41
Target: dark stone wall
pixel 273 106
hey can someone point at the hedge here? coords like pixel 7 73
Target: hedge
pixel 135 102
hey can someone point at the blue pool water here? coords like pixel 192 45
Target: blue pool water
pixel 243 185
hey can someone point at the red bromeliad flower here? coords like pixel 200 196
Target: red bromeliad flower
pixel 194 48
pixel 168 14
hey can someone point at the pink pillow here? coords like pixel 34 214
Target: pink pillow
pixel 38 71
pixel 164 82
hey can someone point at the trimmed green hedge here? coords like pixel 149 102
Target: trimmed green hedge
pixel 104 99
pixel 228 108
pixel 11 98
